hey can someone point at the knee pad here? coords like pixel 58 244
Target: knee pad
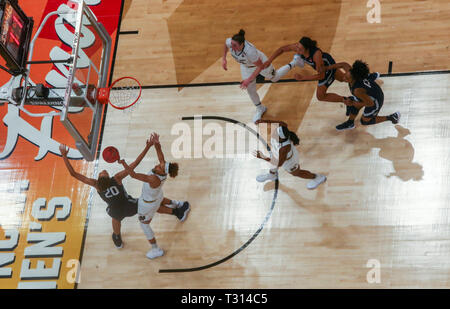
pixel 366 123
pixel 147 230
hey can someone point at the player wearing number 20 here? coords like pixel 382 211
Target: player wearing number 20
pixel 112 191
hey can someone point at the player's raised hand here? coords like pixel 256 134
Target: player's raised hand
pixel 149 142
pixel 155 138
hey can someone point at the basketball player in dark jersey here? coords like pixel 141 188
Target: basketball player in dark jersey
pixel 308 51
pixel 112 191
pixel 367 94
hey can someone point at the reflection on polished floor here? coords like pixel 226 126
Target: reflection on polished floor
pixel 381 220
pixel 385 198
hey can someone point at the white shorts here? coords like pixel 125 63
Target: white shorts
pixel 268 72
pixel 148 210
pixel 292 163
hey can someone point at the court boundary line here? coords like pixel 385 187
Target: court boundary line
pixel 268 215
pixel 285 80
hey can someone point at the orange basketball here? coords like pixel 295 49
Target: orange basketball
pixel 110 154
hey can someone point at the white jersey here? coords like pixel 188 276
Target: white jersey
pixel 292 158
pixel 248 55
pixel 276 146
pixel 151 194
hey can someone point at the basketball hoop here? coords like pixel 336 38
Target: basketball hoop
pixel 126 92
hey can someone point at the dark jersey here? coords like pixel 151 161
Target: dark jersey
pixel 120 204
pixel 372 89
pixel 115 194
pixel 327 59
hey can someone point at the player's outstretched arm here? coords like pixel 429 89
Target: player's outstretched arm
pixel 122 174
pixel 158 149
pixel 89 181
pixel 224 58
pixel 151 179
pixel 282 156
pixel 259 67
pixel 365 99
pixel 320 68
pixel 278 52
pixel 341 65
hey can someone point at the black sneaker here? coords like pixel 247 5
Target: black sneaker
pixel 349 124
pixel 395 117
pixel 117 241
pixel 182 212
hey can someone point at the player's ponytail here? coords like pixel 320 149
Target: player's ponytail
pixel 239 37
pixel 308 43
pixel 173 170
pixel 290 135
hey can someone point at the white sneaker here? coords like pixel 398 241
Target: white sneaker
pixel 265 177
pixel 298 61
pixel 260 110
pixel 316 181
pixel 154 253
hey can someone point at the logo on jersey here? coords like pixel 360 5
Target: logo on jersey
pixel 367 83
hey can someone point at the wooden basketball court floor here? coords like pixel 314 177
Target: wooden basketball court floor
pixel 386 197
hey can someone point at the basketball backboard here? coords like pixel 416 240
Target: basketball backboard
pixel 81 67
pixel 88 72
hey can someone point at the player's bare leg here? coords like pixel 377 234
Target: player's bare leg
pixel 316 179
pixel 173 207
pixel 323 95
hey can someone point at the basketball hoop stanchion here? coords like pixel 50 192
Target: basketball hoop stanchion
pixel 126 93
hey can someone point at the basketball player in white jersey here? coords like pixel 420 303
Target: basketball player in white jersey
pixel 152 199
pixel 251 61
pixel 284 154
pixel 112 191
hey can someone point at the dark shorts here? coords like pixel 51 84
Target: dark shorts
pixel 119 212
pixel 372 111
pixel 328 80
